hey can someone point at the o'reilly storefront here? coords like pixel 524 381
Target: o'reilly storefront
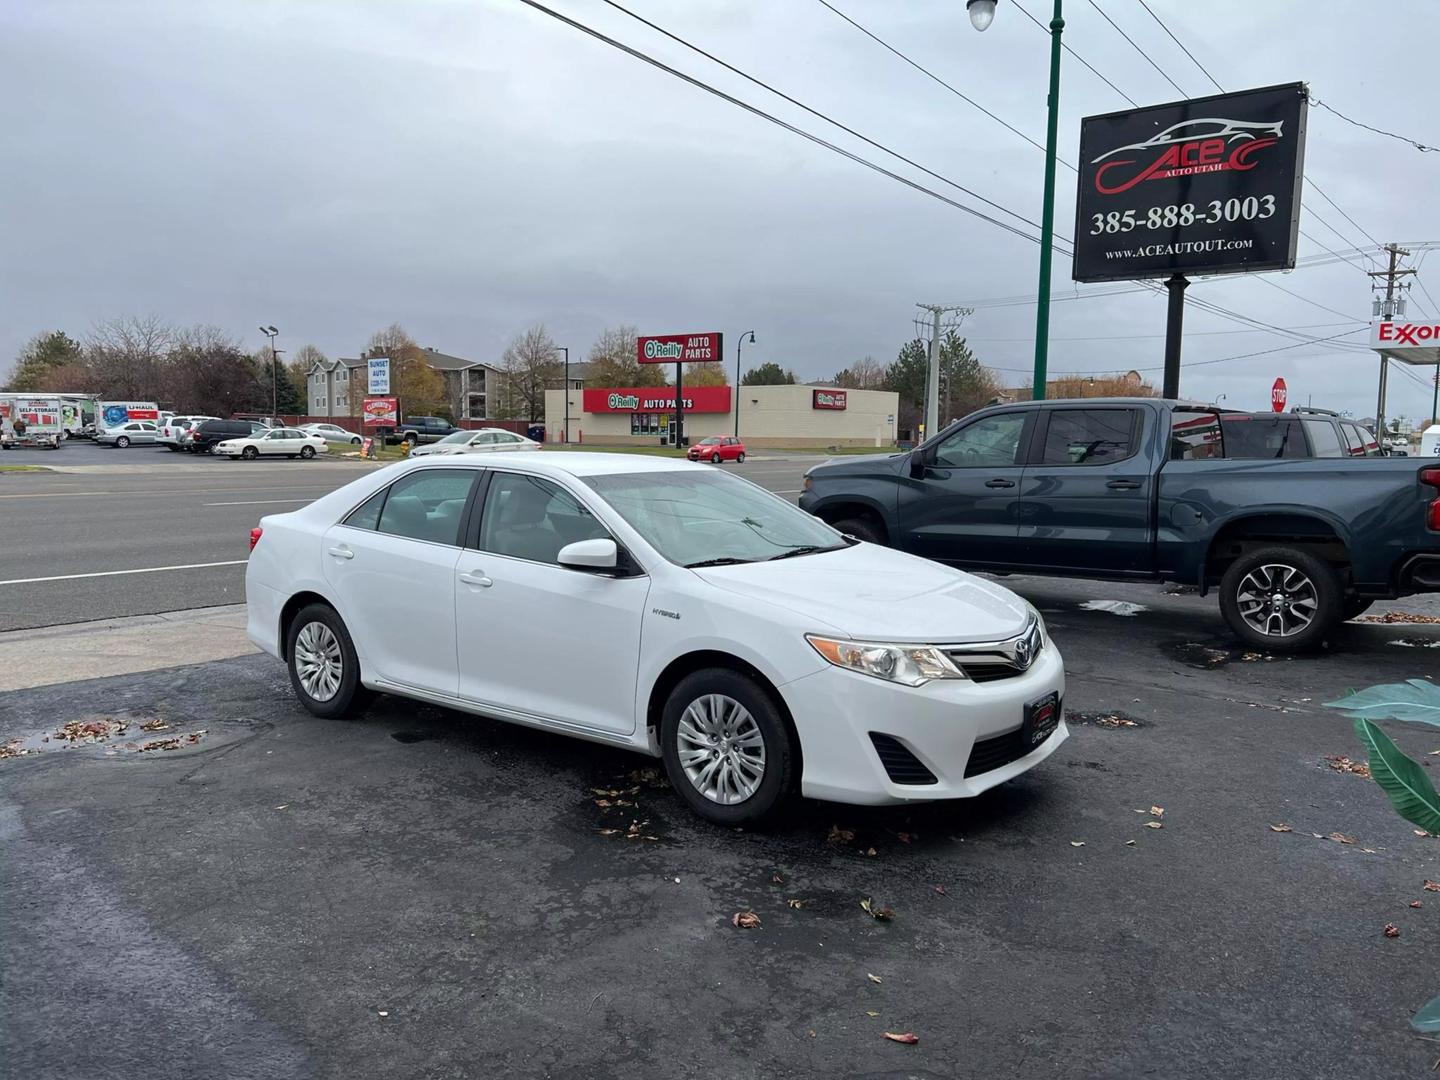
pixel 775 416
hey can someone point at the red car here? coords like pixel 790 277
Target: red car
pixel 717 448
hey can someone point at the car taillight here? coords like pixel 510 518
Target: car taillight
pixel 255 535
pixel 1431 476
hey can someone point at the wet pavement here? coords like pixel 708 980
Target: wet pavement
pixel 421 893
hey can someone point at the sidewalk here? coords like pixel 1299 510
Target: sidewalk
pixel 95 650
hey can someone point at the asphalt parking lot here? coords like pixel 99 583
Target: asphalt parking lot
pixel 422 893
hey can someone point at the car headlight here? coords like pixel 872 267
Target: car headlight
pixel 909 665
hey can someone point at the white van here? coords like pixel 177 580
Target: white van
pixel 30 421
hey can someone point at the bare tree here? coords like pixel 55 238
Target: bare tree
pixel 420 387
pixel 208 371
pixel 866 373
pixel 303 359
pixel 707 373
pixel 613 361
pixel 531 362
pixel 127 355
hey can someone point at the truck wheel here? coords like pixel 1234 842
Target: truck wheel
pixel 1355 606
pixel 1281 599
pixel 861 529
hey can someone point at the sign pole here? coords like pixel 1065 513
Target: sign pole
pixel 1174 320
pixel 679 405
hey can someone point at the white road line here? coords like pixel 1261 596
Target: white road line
pixel 259 502
pixel 797 491
pixel 179 491
pixel 118 573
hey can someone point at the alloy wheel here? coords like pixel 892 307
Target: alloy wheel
pixel 721 749
pixel 318 661
pixel 1277 600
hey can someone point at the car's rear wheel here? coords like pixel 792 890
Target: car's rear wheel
pixel 307 452
pixel 1281 599
pixel 324 669
pixel 355 441
pixel 122 442
pixel 726 747
pixel 249 453
pixel 740 457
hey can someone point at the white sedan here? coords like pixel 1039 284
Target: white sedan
pixel 482 441
pixel 663 607
pixel 332 433
pixel 276 442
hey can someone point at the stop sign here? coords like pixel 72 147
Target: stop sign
pixel 1278 395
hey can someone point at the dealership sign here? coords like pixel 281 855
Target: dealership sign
pixel 381 412
pixel 1206 186
pixel 678 348
pixel 828 399
pixel 646 399
pixel 378 369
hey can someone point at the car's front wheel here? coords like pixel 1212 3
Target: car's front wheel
pixel 715 458
pixel 1281 599
pixel 726 747
pixel 324 669
pixel 250 453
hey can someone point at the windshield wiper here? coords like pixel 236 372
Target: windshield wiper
pixel 803 549
pixel 724 560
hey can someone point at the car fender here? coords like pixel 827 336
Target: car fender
pixel 1195 552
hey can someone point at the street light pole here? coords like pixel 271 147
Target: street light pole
pixel 737 377
pixel 566 351
pixel 270 332
pixel 982 12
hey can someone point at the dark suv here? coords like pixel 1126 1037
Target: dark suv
pixel 202 438
pixel 418 429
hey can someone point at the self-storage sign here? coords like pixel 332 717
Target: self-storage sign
pixel 679 348
pixel 1205 186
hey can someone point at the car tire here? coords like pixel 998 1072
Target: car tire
pixel 249 453
pixel 122 442
pixel 412 439
pixel 328 643
pixel 1355 606
pixel 307 452
pixel 740 458
pixel 355 441
pixel 1304 587
pixel 691 712
pixel 861 529
pixel 715 459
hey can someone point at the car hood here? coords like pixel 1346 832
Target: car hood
pixel 873 593
pixel 860 465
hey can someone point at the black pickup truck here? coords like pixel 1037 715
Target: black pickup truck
pixel 1144 489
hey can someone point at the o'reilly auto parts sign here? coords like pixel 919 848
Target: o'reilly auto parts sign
pixel 679 348
pixel 1206 186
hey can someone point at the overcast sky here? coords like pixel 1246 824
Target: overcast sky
pixel 467 168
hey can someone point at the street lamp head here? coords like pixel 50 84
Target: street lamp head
pixel 982 13
pixel 752 337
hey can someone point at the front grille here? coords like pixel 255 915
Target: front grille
pixel 992 661
pixel 901 765
pixel 984 670
pixel 992 753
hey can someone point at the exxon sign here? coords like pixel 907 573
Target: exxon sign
pixel 679 348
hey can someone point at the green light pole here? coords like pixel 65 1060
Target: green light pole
pixel 982 14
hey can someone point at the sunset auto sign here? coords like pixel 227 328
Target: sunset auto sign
pixel 679 348
pixel 1205 186
pixel 656 399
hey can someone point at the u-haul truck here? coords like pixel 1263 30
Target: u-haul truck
pixel 30 421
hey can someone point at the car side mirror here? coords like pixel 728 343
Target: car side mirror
pixel 594 556
pixel 917 464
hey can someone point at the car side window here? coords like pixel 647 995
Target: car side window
pixel 367 514
pixel 526 517
pixel 1324 438
pixel 987 443
pixel 1090 436
pixel 1194 435
pixel 1354 444
pixel 427 505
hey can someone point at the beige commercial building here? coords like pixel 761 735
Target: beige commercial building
pixel 791 416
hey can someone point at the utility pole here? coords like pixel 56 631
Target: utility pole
pixel 1388 308
pixel 932 377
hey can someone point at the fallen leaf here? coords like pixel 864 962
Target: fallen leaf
pixel 1414 903
pixel 884 914
pixel 909 1038
pixel 1432 886
pixel 745 920
pixel 1420 832
pixel 384 1013
pixel 1367 851
pixel 1157 811
pixel 1345 765
pixel 1077 843
pixel 796 903
pixel 608 832
pixel 1129 843
pixel 1281 828
pixel 940 889
pixel 604 804
pixel 870 851
pixel 872 977
pixel 1154 824
pixel 1341 838
pixel 811 1033
pixel 154 725
pixel 1391 930
pixel 871 1013
pixel 282 806
pixel 840 836
pixel 777 879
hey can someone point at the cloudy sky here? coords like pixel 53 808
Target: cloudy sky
pixel 467 168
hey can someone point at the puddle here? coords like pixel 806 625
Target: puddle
pixel 409 736
pixel 1114 607
pixel 1415 643
pixel 112 735
pixel 1112 719
pixel 1205 657
pixel 625 814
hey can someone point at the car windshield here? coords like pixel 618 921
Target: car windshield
pixel 706 518
pixel 458 437
pixel 713 440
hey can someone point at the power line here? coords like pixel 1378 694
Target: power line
pixel 817 113
pixel 1077 56
pixel 936 78
pixel 1316 188
pixel 1186 51
pixel 1144 337
pixel 1163 74
pixel 1378 131
pixel 755 111
pixel 1199 363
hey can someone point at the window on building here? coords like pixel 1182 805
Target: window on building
pixel 577 384
pixel 644 423
pixel 319 404
pixel 343 374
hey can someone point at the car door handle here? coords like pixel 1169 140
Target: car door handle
pixel 1123 485
pixel 342 553
pixel 999 483
pixel 476 578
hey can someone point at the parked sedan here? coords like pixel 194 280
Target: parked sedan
pixel 332 433
pixel 665 608
pixel 136 433
pixel 277 442
pixel 483 441
pixel 717 448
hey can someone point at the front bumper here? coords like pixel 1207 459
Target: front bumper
pixel 939 724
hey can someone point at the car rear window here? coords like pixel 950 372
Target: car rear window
pixel 1254 437
pixel 1194 435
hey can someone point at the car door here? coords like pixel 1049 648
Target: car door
pixel 391 563
pixel 481 443
pixel 146 432
pixel 535 637
pixel 960 501
pixel 1086 497
pixel 276 442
